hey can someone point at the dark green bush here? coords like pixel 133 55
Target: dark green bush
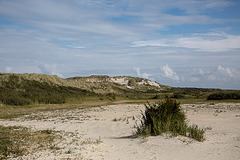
pixel 178 95
pixel 15 100
pixel 224 95
pixel 156 97
pixel 166 117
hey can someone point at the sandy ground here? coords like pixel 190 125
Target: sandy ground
pixel 105 133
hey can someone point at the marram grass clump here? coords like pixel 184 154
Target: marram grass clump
pixel 167 117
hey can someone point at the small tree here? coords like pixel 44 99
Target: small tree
pixel 165 117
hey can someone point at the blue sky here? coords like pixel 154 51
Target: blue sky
pixel 187 43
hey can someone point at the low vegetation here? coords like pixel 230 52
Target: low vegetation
pixel 30 89
pixel 18 141
pixel 19 91
pixel 167 117
pixel 224 95
pixel 34 89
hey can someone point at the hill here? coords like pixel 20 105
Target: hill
pixel 24 89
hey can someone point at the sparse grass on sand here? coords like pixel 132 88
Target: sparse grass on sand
pixel 7 111
pixel 18 141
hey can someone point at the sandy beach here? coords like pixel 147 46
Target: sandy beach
pixel 104 133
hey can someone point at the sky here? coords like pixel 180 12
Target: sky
pixel 187 43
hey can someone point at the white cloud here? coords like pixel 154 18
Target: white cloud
pixel 137 70
pixel 210 42
pixel 169 73
pixel 203 71
pixel 144 75
pixel 227 71
pixel 218 4
pixel 8 69
pixel 218 74
pixel 158 43
pixel 50 69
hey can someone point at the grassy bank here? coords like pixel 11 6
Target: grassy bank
pixel 7 111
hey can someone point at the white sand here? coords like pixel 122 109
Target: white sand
pixel 103 133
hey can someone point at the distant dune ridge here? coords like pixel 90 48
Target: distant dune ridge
pixel 96 83
pixel 24 89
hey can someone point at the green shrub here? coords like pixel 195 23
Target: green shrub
pixel 167 117
pixel 196 133
pixel 14 100
pixel 224 95
pixel 156 97
pixel 178 95
pixel 132 83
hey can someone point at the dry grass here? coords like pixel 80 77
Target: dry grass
pixel 18 141
pixel 7 112
pixel 15 111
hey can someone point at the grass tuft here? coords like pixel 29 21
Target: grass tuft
pixel 165 117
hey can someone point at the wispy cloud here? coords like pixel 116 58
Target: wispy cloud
pixel 222 74
pixel 217 4
pixel 49 69
pixel 213 75
pixel 169 73
pixel 227 71
pixel 137 70
pixel 8 69
pixel 143 75
pixel 211 42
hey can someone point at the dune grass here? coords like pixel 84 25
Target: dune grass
pixel 167 117
pixel 18 141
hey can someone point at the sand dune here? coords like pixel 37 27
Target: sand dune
pixel 105 133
